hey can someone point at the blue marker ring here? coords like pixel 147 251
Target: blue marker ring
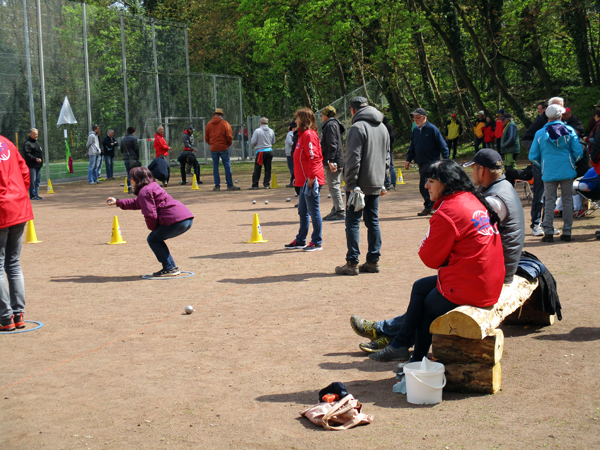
pixel 40 325
pixel 150 277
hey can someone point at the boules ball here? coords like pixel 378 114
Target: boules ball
pixel 189 309
pixel 329 196
pixel 266 202
pixel 254 202
pixel 288 199
pixel 236 181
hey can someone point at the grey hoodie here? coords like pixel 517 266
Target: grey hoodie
pixel 263 137
pixel 367 152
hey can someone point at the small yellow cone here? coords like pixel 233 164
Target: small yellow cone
pixel 274 184
pixel 116 237
pixel 50 190
pixel 400 177
pixel 343 183
pixel 31 237
pixel 256 232
pixel 195 185
pixel 125 190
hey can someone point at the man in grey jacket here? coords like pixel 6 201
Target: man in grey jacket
pixel 263 139
pixel 367 162
pixel 93 150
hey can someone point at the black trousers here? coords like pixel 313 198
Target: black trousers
pixel 267 159
pixel 427 203
pixel 195 166
pixel 453 146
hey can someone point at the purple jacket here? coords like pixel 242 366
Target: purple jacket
pixel 158 207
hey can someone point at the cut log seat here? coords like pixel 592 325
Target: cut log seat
pixel 472 322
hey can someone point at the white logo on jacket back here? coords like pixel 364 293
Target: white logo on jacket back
pixel 310 150
pixel 4 152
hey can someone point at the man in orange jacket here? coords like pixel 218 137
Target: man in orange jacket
pixel 160 145
pixel 219 136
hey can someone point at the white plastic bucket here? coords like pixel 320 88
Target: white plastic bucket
pixel 424 382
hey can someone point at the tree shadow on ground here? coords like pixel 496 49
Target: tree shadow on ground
pixel 272 224
pixel 93 279
pixel 243 254
pixel 257 210
pixel 278 278
pixel 579 334
pixel 519 330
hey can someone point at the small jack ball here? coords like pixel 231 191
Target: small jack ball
pixel 254 202
pixel 266 202
pixel 189 309
pixel 236 181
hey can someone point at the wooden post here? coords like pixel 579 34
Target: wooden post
pixel 454 349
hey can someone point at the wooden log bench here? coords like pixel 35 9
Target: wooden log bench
pixel 470 345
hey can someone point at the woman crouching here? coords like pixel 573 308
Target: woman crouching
pixel 166 217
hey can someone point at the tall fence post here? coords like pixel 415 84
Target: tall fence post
pixel 156 73
pixel 204 142
pixel 215 89
pixel 28 61
pixel 187 68
pixel 87 67
pixel 124 71
pixel 243 157
pixel 43 87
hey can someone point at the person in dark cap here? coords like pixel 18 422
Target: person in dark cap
pixel 367 162
pixel 426 146
pixel 333 160
pixel 501 196
pixel 509 143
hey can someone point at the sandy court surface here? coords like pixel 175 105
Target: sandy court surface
pixel 118 366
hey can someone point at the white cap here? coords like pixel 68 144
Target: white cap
pixel 553 112
pixel 481 112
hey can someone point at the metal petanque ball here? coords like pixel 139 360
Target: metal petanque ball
pixel 254 202
pixel 288 199
pixel 236 181
pixel 329 196
pixel 266 202
pixel 189 309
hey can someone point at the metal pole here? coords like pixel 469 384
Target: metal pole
pixel 241 120
pixel 87 68
pixel 204 134
pixel 248 150
pixel 215 90
pixel 43 87
pixel 124 71
pixel 187 68
pixel 156 73
pixel 345 113
pixel 29 82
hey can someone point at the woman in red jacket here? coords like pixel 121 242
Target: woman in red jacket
pixel 489 132
pixel 308 176
pixel 464 245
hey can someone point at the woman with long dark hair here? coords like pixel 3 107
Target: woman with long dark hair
pixel 464 246
pixel 165 217
pixel 308 176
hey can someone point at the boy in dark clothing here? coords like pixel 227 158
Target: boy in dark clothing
pixel 160 170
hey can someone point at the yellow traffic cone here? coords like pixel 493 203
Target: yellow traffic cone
pixel 116 237
pixel 274 184
pixel 31 237
pixel 256 233
pixel 343 183
pixel 400 177
pixel 195 185
pixel 50 190
pixel 125 190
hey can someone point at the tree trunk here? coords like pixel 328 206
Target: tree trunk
pixel 454 349
pixel 410 90
pixel 460 101
pixel 482 378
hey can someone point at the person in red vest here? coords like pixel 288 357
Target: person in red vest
pixel 499 130
pixel 160 145
pixel 15 211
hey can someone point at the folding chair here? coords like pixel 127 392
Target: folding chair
pixel 527 193
pixel 591 201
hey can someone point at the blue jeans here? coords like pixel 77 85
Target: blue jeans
pixel 308 205
pixel 390 328
pixel 392 178
pixel 99 166
pixel 92 169
pixel 109 162
pixel 370 212
pixel 156 240
pixel 126 162
pixel 290 163
pixel 35 174
pixel 12 302
pixel 426 304
pixel 226 165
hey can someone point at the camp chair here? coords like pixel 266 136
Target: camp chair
pixel 527 193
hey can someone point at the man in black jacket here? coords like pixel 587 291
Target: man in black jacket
pixel 333 160
pixel 34 158
pixel 131 153
pixel 160 170
pixel 109 143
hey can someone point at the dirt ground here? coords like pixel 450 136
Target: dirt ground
pixel 118 366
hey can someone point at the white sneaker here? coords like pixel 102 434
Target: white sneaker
pixel 556 232
pixel 537 230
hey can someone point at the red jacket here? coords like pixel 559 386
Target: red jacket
pixel 499 128
pixel 308 159
pixel 488 134
pixel 160 145
pixel 466 250
pixel 15 207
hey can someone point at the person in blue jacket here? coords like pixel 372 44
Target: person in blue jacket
pixel 426 146
pixel 556 149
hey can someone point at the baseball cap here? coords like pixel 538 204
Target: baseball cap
pixel 506 116
pixel 486 157
pixel 453 116
pixel 419 112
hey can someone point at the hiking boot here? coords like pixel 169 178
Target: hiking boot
pixel 369 267
pixel 199 182
pixel 374 345
pixel 7 325
pixel 347 269
pixel 167 272
pixel 425 212
pixel 548 238
pixel 19 321
pixel 289 185
pixel 253 188
pixel 312 247
pixel 340 215
pixel 217 188
pixel 364 328
pixel 566 238
pixel 391 354
pixel 330 216
pixel 233 188
pixel 294 245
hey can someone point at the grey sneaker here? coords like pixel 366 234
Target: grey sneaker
pixel 233 188
pixel 340 216
pixel 330 216
pixel 369 267
pixel 347 269
pixel 375 345
pixel 167 272
pixel 364 328
pixel 391 354
pixel 217 188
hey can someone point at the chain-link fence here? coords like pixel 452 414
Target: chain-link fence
pixel 117 70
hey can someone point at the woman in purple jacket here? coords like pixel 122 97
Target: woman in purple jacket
pixel 167 218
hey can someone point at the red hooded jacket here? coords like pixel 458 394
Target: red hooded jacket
pixel 15 207
pixel 308 158
pixel 160 145
pixel 466 250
